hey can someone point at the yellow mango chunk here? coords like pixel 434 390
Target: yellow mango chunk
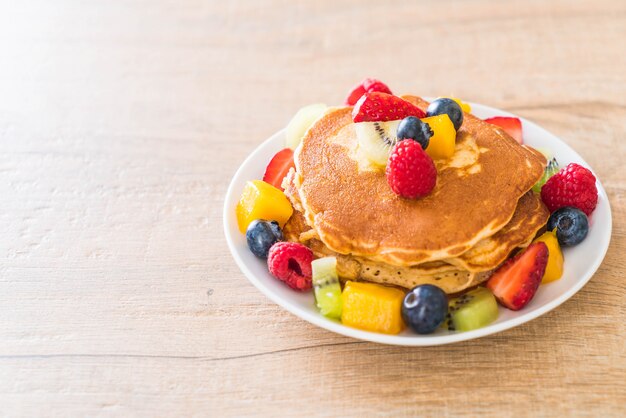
pixel 554 269
pixel 443 141
pixel 261 200
pixel 465 107
pixel 372 307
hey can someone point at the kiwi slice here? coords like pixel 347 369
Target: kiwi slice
pixel 326 286
pixel 551 169
pixel 376 139
pixel 474 309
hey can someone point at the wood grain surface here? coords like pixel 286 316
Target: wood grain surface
pixel 121 124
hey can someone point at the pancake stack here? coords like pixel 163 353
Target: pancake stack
pixel 481 210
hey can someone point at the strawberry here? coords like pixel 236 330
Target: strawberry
pixel 510 125
pixel 410 172
pixel 278 168
pixel 383 107
pixel 515 283
pixel 368 85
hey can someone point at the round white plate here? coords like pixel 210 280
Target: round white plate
pixel 581 261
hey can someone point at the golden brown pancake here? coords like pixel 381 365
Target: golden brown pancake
pixel 452 275
pixel 353 210
pixel 529 217
pixel 449 278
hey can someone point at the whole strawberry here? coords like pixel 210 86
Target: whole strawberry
pixel 573 185
pixel 411 173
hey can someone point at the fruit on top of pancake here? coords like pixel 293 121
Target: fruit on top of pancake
pixel 510 125
pixel 326 286
pixel 424 308
pixel 472 310
pixel 372 307
pixel 369 85
pixel 260 200
pixel 551 169
pixel 445 106
pixel 465 107
pixel 261 235
pixel 574 186
pixel 413 128
pixel 410 172
pixel 383 107
pixel 515 283
pixel 290 262
pixel 278 168
pixel 554 269
pixel 443 141
pixel 301 122
pixel 376 139
pixel 571 225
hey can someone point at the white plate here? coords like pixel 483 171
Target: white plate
pixel 581 261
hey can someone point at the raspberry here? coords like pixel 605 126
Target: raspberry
pixel 410 171
pixel 572 186
pixel 383 107
pixel 290 262
pixel 368 85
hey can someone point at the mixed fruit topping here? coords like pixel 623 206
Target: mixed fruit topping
pixel 404 141
pixel 390 130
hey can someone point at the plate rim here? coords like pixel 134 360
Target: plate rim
pixel 417 340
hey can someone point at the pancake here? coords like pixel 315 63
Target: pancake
pixel 351 208
pixel 449 278
pixel 452 275
pixel 530 216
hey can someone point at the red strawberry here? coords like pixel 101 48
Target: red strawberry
pixel 410 171
pixel 512 126
pixel 278 168
pixel 573 185
pixel 368 85
pixel 516 282
pixel 383 107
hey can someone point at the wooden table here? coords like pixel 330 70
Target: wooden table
pixel 121 124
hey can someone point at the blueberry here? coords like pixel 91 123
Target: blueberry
pixel 413 128
pixel 261 235
pixel 449 107
pixel 571 225
pixel 425 308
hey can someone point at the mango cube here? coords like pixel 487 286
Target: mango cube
pixel 372 307
pixel 465 107
pixel 443 141
pixel 261 200
pixel 554 269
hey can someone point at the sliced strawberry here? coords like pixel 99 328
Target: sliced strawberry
pixel 383 107
pixel 515 283
pixel 278 168
pixel 369 85
pixel 512 126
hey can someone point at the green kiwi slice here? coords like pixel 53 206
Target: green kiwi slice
pixel 326 287
pixel 474 309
